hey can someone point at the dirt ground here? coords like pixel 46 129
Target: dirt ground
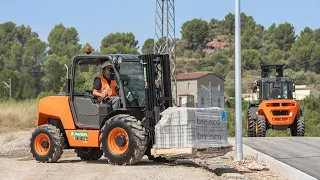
pixel 16 163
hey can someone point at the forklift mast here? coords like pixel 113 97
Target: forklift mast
pixel 157 84
pixel 266 70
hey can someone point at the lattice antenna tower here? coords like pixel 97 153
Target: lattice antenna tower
pixel 164 40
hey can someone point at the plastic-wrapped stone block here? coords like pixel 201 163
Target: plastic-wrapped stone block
pixel 192 128
pixel 183 116
pixel 190 136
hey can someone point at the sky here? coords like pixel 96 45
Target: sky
pixel 96 18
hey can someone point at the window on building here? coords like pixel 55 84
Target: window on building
pixel 189 86
pixel 219 87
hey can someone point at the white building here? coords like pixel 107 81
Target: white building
pixel 302 91
pixel 200 89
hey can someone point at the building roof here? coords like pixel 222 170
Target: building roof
pixel 195 75
pixel 303 87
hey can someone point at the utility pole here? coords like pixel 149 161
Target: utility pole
pixel 164 37
pixel 238 113
pixel 9 86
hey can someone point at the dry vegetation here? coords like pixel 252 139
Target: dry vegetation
pixel 18 115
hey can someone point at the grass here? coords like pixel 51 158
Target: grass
pixel 20 115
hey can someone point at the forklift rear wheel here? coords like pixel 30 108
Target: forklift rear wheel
pixel 298 126
pixel 123 140
pixel 47 143
pixel 251 126
pixel 88 153
pixel 262 126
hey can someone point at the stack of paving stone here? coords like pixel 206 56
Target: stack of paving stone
pixel 183 127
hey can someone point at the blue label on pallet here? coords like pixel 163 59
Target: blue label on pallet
pixel 224 115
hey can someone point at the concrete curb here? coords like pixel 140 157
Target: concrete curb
pixel 274 164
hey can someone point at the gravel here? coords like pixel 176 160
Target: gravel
pixel 15 145
pixel 16 162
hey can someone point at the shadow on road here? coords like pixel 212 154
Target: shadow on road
pixel 219 171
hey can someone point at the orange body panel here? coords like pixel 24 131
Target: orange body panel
pixel 279 112
pixel 83 138
pixel 56 107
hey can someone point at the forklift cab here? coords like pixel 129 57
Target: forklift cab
pixel 143 82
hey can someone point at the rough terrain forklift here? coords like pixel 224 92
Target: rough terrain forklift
pixel 76 120
pixel 276 108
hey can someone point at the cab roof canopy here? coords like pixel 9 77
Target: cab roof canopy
pixel 97 59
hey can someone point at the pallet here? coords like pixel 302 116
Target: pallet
pixel 185 153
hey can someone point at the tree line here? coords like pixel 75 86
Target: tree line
pixel 36 67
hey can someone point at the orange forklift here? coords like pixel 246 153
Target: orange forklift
pixel 276 109
pixel 76 120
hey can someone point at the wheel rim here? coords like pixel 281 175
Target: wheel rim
pixel 114 136
pixel 42 144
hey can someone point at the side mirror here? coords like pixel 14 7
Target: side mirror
pixel 253 86
pixel 117 61
pixel 293 88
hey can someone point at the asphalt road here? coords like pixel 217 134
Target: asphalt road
pixel 302 153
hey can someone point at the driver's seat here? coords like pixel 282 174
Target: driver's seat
pixel 275 92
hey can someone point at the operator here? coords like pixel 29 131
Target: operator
pixel 275 93
pixel 105 87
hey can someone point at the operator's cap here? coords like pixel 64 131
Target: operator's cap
pixel 105 64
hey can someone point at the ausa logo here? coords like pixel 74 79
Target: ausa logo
pixel 80 135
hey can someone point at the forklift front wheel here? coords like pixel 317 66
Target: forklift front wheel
pixel 123 140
